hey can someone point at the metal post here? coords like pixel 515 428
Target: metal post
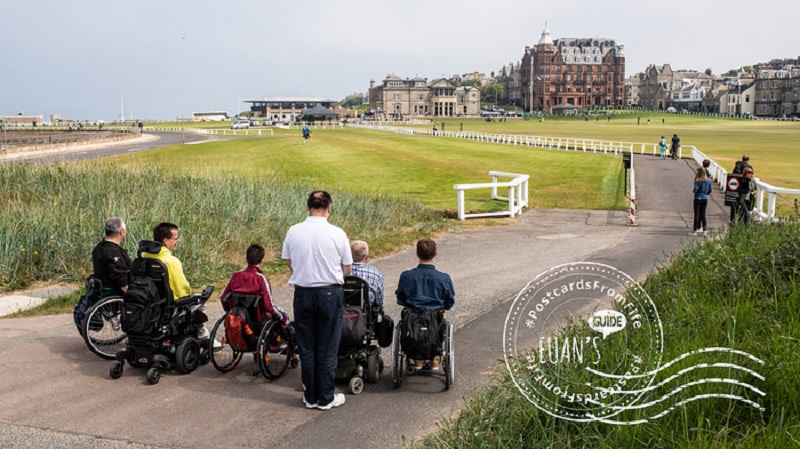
pixel 183 132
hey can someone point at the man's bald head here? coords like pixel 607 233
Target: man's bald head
pixel 360 250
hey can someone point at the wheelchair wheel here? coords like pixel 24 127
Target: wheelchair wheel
pixel 397 357
pixel 116 370
pixel 274 350
pixel 153 375
pixel 449 358
pixel 223 356
pixel 187 356
pixel 102 328
pixel 373 371
pixel 356 385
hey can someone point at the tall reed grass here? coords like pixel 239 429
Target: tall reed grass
pixel 741 291
pixel 51 217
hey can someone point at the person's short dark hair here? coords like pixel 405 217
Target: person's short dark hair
pixel 319 199
pixel 706 163
pixel 745 157
pixel 113 226
pixel 255 254
pixel 426 249
pixel 163 231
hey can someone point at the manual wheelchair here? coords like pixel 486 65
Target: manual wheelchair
pixel 246 327
pixel 164 334
pixel 101 327
pixel 407 354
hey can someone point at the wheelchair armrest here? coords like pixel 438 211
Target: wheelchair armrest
pixel 190 300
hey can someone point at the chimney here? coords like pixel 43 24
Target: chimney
pixel 371 84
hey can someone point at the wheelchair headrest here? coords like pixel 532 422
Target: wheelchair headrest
pixel 149 246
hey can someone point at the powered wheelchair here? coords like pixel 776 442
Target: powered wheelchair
pixel 161 332
pixel 420 338
pixel 247 327
pixel 359 356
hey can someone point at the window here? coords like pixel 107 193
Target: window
pixel 396 97
pixel 747 98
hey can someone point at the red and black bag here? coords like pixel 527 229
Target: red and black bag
pixel 239 332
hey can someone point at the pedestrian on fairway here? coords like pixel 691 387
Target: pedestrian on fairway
pixel 306 134
pixel 676 144
pixel 442 126
pixel 662 120
pixel 648 121
pixel 638 119
pixel 662 147
pixel 702 188
pixel 608 116
pixel 318 253
pixel 434 130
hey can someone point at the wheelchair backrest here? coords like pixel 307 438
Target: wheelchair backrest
pixel 155 270
pixel 249 302
pixel 356 292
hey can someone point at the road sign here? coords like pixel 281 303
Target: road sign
pixel 732 189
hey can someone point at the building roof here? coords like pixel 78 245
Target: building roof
pixel 318 110
pixel 290 99
pixel 545 39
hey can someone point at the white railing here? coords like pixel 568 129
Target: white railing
pixel 214 131
pixel 720 175
pixel 517 194
pixel 555 143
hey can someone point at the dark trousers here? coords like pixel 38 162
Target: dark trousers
pixel 318 322
pixel 700 215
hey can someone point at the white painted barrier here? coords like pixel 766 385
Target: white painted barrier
pixel 720 175
pixel 517 194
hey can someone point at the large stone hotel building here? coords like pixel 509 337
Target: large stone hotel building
pixel 582 72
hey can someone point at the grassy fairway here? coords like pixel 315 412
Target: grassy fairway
pixel 422 168
pixel 774 147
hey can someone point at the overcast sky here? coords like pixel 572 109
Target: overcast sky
pixel 168 58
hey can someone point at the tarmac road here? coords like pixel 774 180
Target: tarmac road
pixel 57 394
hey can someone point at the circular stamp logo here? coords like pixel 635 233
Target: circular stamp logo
pixel 583 341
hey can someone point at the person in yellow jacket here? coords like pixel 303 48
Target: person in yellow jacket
pixel 167 235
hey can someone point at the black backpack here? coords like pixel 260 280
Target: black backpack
pixel 141 308
pixel 354 326
pixel 419 335
pixel 93 292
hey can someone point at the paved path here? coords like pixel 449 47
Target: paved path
pixel 56 391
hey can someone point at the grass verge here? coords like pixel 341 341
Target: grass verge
pixel 51 217
pixel 740 291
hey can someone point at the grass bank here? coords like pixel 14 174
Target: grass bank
pixel 422 168
pixel 51 218
pixel 740 291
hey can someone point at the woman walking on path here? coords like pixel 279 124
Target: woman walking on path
pixel 702 188
pixel 662 147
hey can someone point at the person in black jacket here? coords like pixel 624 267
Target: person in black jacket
pixel 110 260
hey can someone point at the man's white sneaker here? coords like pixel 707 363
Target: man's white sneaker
pixel 338 399
pixel 309 405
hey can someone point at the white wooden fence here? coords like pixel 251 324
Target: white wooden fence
pixel 555 143
pixel 517 194
pixel 720 176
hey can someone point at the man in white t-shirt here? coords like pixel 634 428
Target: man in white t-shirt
pixel 318 253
